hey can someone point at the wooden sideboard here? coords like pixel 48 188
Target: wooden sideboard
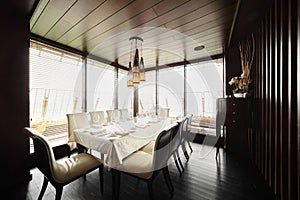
pixel 234 120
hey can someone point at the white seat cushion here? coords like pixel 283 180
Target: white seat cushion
pixel 68 169
pixel 148 148
pixel 139 164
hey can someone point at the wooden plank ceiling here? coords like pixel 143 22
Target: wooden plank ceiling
pixel 171 29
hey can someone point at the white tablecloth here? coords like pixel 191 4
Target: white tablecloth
pixel 118 146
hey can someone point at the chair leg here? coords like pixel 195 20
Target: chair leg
pixel 45 184
pixel 149 183
pixel 115 183
pixel 190 146
pixel 58 193
pixel 185 152
pixel 179 160
pixel 217 152
pixel 168 180
pixel 176 163
pixel 101 178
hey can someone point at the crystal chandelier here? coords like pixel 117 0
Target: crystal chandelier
pixel 136 73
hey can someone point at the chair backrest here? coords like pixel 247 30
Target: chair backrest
pixel 162 148
pixel 164 112
pixel 189 123
pixel 113 115
pixel 76 121
pixel 98 117
pixel 176 136
pixel 44 156
pixel 124 114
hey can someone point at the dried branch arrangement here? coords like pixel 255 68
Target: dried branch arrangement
pixel 241 83
pixel 247 49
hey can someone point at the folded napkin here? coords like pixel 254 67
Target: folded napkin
pixel 80 130
pixel 122 133
pixel 141 125
pixel 99 126
pixel 96 131
pixel 153 120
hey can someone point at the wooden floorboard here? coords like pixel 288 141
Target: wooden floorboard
pixel 203 178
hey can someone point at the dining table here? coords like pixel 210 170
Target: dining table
pixel 118 140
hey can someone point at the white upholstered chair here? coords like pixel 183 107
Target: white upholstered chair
pixel 145 166
pixel 76 121
pixel 164 112
pixel 124 114
pixel 113 115
pixel 62 172
pixel 98 118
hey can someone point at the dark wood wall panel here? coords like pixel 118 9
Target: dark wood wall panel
pixel 293 134
pixel 298 97
pixel 14 86
pixel 276 146
pixel 272 96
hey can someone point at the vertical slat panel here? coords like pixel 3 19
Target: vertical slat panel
pixel 272 100
pixel 277 88
pixel 277 138
pixel 263 98
pixel 266 95
pixel 275 98
pixel 259 103
pixel 298 97
pixel 277 134
pixel 270 92
pixel 292 105
pixel 284 99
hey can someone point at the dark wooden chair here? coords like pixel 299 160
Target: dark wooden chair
pixel 184 137
pixel 145 166
pixel 62 172
pixel 188 130
pixel 176 141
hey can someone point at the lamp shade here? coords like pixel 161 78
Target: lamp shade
pixel 142 70
pixel 130 77
pixel 136 67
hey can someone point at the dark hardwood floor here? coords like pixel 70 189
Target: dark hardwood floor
pixel 203 178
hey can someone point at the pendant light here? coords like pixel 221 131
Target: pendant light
pixel 136 73
pixel 142 67
pixel 136 68
pixel 130 76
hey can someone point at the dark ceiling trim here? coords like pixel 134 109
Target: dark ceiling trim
pixel 33 8
pixel 75 51
pixel 56 44
pixel 186 62
pixel 233 22
pixel 102 60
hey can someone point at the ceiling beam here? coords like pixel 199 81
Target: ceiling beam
pixel 186 62
pixel 33 7
pixel 233 22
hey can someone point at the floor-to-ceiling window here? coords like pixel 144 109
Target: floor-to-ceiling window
pixel 204 84
pixel 171 90
pixel 125 94
pixel 100 86
pixel 55 89
pixel 147 95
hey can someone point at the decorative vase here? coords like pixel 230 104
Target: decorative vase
pixel 238 95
